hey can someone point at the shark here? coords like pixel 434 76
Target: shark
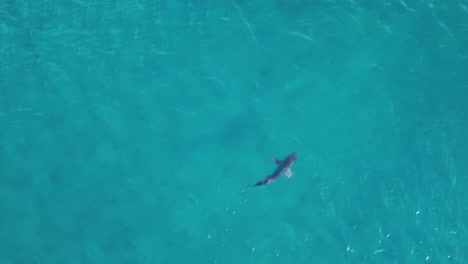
pixel 282 167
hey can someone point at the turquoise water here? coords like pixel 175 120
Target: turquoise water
pixel 129 128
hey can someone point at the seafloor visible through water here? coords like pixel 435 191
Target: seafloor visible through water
pixel 129 128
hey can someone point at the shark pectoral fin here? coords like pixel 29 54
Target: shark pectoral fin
pixel 288 173
pixel 277 161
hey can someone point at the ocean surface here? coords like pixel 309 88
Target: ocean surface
pixel 129 128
